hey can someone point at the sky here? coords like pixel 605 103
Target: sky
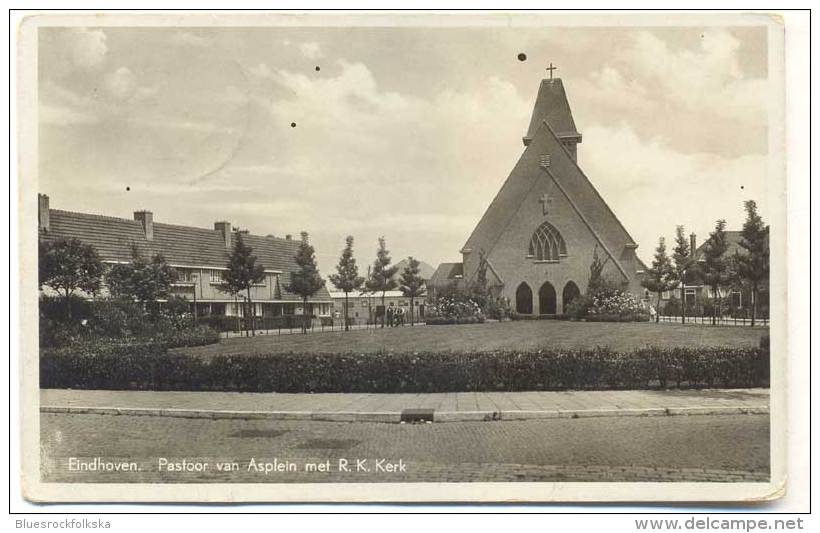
pixel 402 132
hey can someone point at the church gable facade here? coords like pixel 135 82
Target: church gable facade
pixel 542 229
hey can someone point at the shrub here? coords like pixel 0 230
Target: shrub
pixel 455 306
pixel 615 305
pixel 147 367
pixel 447 321
pixel 579 307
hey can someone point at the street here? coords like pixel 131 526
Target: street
pixel 110 448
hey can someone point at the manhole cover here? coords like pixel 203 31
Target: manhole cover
pixel 259 433
pixel 328 444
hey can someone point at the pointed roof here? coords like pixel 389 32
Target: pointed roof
pixel 570 179
pixel 552 107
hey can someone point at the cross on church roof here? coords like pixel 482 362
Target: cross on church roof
pixel 551 68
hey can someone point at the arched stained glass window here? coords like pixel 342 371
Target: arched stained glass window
pixel 547 244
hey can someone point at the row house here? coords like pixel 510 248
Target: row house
pixel 199 255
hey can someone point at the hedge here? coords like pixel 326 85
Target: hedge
pixel 595 369
pixel 94 347
pixel 451 320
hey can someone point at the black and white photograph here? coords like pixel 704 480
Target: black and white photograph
pixel 360 257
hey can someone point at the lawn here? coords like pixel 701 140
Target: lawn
pixel 491 336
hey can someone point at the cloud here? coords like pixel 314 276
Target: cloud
pixel 311 50
pixel 57 115
pixel 185 38
pixel 652 187
pixel 121 84
pixel 708 79
pixel 87 48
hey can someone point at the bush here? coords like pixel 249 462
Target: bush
pixel 454 306
pixel 447 321
pixel 146 367
pixel 579 307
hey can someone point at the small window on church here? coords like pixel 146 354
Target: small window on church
pixel 545 161
pixel 547 244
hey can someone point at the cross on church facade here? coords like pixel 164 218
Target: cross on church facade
pixel 551 68
pixel 545 201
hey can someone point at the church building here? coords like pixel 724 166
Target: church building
pixel 541 231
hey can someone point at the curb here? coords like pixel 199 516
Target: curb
pixel 395 416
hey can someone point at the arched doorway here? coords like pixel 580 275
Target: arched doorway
pixel 570 293
pixel 523 299
pixel 546 299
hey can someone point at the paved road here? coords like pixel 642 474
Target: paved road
pixel 684 448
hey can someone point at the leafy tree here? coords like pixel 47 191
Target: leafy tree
pixel 347 277
pixel 479 289
pixel 753 265
pixel 69 265
pixel 715 266
pixel 142 280
pixel 682 256
pixel 306 281
pixel 660 277
pixel 597 281
pixel 381 276
pixel 412 284
pixel 242 274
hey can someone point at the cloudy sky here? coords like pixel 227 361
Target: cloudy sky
pixel 401 132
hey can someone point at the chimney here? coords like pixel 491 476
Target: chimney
pixel 225 228
pixel 147 220
pixel 692 244
pixel 288 237
pixel 43 214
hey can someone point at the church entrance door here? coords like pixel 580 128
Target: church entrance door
pixel 570 293
pixel 546 299
pixel 523 299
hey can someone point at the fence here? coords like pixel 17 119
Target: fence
pixel 716 321
pixel 288 324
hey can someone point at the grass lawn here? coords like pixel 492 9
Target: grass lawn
pixel 490 336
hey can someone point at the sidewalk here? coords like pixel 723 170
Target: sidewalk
pixel 438 407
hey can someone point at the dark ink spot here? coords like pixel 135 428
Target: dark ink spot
pixel 317 68
pixel 128 188
pixel 741 187
pixel 292 124
pixel 522 56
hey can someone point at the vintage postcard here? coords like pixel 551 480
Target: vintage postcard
pixel 363 257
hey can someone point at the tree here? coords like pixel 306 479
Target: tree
pixel 141 280
pixel 596 269
pixel 682 257
pixel 660 277
pixel 412 284
pixel 381 276
pixel 753 265
pixel 69 265
pixel 306 281
pixel 715 267
pixel 347 277
pixel 479 288
pixel 241 275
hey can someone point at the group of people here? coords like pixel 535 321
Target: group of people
pixel 395 316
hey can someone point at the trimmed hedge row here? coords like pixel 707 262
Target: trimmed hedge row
pixel 451 320
pixel 601 368
pixel 96 347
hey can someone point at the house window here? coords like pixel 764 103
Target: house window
pixel 546 244
pixel 185 275
pixel 216 276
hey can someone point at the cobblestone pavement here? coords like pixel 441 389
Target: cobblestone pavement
pixel 510 404
pixel 683 448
